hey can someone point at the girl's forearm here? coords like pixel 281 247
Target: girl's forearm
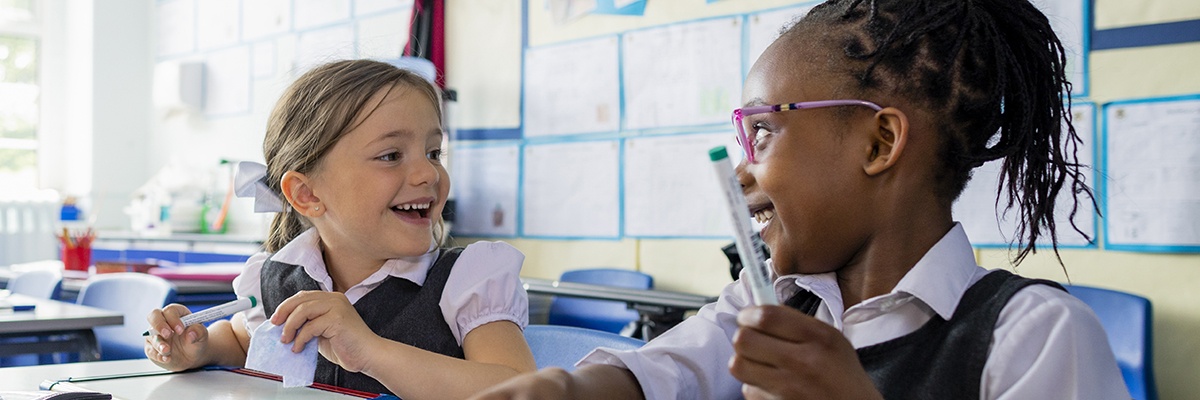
pixel 604 382
pixel 415 374
pixel 224 346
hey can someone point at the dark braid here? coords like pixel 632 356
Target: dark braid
pixel 992 73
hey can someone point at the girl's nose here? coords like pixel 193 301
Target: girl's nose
pixel 745 178
pixel 423 173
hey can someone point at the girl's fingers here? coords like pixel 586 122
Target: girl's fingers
pixel 172 313
pixel 313 328
pixel 785 323
pixel 755 345
pixel 752 372
pixel 302 312
pixel 284 310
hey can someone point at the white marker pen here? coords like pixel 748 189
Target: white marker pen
pixel 217 312
pixel 761 286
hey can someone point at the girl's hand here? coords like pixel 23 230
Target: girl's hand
pixel 781 353
pixel 342 336
pixel 549 383
pixel 171 345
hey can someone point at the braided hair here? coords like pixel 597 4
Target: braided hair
pixel 992 72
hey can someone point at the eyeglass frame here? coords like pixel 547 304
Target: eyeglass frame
pixel 742 113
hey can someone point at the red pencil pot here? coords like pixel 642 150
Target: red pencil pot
pixel 76 258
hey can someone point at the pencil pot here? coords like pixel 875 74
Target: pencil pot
pixel 76 258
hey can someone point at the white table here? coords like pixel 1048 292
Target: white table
pixel 62 327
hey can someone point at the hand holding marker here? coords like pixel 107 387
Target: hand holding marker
pixel 216 312
pixel 752 258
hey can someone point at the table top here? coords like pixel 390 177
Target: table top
pixel 72 283
pixel 53 315
pixel 638 296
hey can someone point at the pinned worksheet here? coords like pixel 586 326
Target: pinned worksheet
pixel 485 179
pixel 572 88
pixel 763 28
pixel 571 190
pixel 670 190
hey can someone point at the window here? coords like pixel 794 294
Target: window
pixel 18 94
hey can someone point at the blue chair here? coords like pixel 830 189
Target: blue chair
pixel 132 294
pixel 604 315
pixel 42 284
pixel 563 346
pixel 1127 321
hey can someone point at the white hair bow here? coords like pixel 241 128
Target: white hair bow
pixel 250 181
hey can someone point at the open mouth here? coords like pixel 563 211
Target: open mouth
pixel 414 210
pixel 763 213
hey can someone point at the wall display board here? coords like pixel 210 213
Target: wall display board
pixel 1071 21
pixel 1152 164
pixel 573 88
pixel 682 75
pixel 763 28
pixel 671 189
pixel 987 223
pixel 572 190
pixel 484 181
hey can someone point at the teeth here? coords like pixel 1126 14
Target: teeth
pixel 764 216
pixel 421 206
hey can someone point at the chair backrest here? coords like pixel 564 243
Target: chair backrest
pixel 132 294
pixel 563 346
pixel 608 316
pixel 42 284
pixel 1127 321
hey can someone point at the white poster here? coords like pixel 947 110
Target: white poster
pixel 572 88
pixel 765 27
pixel 176 27
pixel 261 18
pixel 571 190
pixel 217 23
pixel 317 13
pixel 227 82
pixel 1070 24
pixel 325 45
pixel 683 74
pixel 1153 195
pixel 671 189
pixel 384 36
pixel 988 224
pixel 484 182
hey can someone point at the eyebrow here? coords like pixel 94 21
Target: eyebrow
pixel 757 101
pixel 390 135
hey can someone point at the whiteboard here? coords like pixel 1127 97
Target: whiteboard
pixel 484 181
pixel 572 88
pixel 671 189
pixel 986 222
pixel 217 23
pixel 684 74
pixel 1152 195
pixel 261 18
pixel 763 28
pixel 227 82
pixel 1069 20
pixel 571 190
pixel 176 27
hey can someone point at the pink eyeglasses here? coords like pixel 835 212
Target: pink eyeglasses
pixel 748 143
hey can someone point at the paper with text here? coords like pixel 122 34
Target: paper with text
pixel 670 187
pixel 572 190
pixel 485 189
pixel 572 88
pixel 764 28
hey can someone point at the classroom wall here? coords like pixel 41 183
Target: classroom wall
pixel 1170 281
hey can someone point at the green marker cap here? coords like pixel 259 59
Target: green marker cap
pixel 253 302
pixel 718 153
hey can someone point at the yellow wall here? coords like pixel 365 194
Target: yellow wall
pixel 1171 282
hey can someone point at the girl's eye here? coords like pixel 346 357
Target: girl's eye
pixel 435 154
pixel 393 156
pixel 759 135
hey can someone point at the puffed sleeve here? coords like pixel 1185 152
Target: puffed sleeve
pixel 485 286
pixel 248 284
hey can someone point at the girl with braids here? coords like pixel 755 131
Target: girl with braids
pixel 352 259
pixel 861 125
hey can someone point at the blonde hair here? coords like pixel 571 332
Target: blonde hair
pixel 316 111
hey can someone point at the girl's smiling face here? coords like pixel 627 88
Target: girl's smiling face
pixel 808 177
pixel 382 186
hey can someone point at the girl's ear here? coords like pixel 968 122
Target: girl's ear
pixel 299 193
pixel 887 141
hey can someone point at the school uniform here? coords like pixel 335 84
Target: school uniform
pixel 429 301
pixel 924 339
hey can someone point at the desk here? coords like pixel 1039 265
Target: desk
pixel 178 386
pixel 186 289
pixel 659 310
pixel 69 324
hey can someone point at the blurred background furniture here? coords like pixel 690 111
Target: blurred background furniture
pixel 1127 319
pixel 132 294
pixel 563 346
pixel 608 316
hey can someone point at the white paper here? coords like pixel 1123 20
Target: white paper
pixel 484 180
pixel 572 88
pixel 216 23
pixel 571 190
pixel 261 18
pixel 326 45
pixel 227 82
pixel 564 11
pixel 1067 19
pixel 987 223
pixel 264 59
pixel 619 4
pixel 176 27
pixel 315 13
pixel 765 27
pixel 671 189
pixel 684 74
pixel 1153 195
pixel 383 36
pixel 365 7
pixel 268 354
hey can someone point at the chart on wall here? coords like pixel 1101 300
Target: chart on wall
pixel 1152 194
pixel 682 75
pixel 485 180
pixel 573 88
pixel 764 28
pixel 572 190
pixel 671 189
pixel 1069 19
pixel 984 216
